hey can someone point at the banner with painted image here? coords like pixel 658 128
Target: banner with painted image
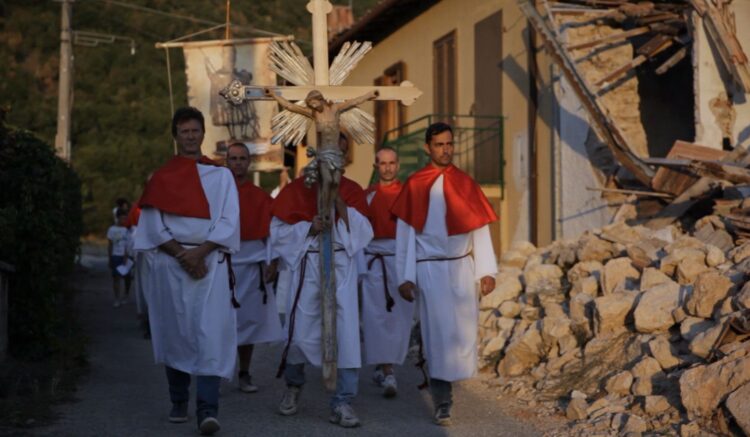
pixel 212 65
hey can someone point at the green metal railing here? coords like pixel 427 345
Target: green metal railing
pixel 478 146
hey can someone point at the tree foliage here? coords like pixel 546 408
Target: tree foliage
pixel 121 107
pixel 40 215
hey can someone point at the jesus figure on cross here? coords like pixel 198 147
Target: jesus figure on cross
pixel 329 161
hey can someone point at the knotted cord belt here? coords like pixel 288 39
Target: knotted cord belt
pixel 293 314
pixel 421 361
pixel 232 279
pixel 389 302
pixel 262 284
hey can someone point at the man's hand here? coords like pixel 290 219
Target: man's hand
pixel 487 284
pixel 193 261
pixel 271 271
pixel 406 290
pixel 317 226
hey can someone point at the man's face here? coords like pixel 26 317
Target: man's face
pixel 440 149
pixel 315 102
pixel 386 163
pixel 238 160
pixel 189 137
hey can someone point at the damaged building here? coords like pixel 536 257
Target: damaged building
pixel 570 113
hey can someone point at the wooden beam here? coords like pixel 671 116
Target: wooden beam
pixel 682 203
pixel 672 61
pixel 611 38
pixel 602 124
pixel 633 192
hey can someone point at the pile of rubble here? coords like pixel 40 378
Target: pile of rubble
pixel 627 329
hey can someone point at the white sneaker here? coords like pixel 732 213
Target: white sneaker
pixel 378 377
pixel 288 404
pixel 344 416
pixel 246 384
pixel 390 388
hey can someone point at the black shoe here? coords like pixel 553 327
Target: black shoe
pixel 179 412
pixel 443 416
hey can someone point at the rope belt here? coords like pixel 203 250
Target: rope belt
pixel 232 280
pixel 389 302
pixel 454 258
pixel 262 285
pixel 293 314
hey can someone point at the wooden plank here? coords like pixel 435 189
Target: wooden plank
pixel 682 203
pixel 611 38
pixel 672 61
pixel 632 192
pixel 675 181
pixel 603 125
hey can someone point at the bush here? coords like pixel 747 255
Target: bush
pixel 40 226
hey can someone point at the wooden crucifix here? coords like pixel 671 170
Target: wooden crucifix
pixel 322 101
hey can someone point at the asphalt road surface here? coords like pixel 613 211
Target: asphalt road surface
pixel 125 393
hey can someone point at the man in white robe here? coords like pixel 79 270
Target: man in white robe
pixel 386 316
pixel 443 248
pixel 188 227
pixel 294 237
pixel 257 316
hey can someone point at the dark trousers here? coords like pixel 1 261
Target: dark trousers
pixel 207 391
pixel 442 393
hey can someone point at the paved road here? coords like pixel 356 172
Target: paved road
pixel 125 393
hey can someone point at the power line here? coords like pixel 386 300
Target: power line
pixel 184 17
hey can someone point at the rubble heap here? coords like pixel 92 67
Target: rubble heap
pixel 627 329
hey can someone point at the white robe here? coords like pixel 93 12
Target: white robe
pixel 292 243
pixel 257 322
pixel 193 326
pixel 446 290
pixel 386 334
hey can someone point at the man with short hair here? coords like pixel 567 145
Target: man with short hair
pixel 189 226
pixel 386 316
pixel 257 318
pixel 294 236
pixel 443 248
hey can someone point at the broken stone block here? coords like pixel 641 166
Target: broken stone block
pixel 651 277
pixel 702 388
pixel 703 342
pixel 611 312
pixel 531 313
pixel 634 424
pixel 679 314
pixel 553 309
pixel 714 256
pixel 512 258
pixel 588 285
pixel 619 383
pixel 688 270
pixel 645 253
pixel 576 409
pixel 655 307
pixel 498 342
pixel 585 269
pixel 684 242
pixel 668 264
pixel 616 272
pixel 739 253
pixel 724 308
pixel 710 288
pixel 593 248
pixel 692 326
pixel 525 248
pixel 742 299
pixel 738 403
pixel 510 309
pixel 522 354
pixel 622 233
pixel 645 372
pixel 507 287
pixel 554 329
pixel 661 349
pixel 655 404
pixel 543 278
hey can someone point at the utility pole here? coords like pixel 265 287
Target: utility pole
pixel 62 139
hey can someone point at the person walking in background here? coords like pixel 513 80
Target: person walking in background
pixel 119 257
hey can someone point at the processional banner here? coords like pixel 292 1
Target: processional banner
pixel 212 65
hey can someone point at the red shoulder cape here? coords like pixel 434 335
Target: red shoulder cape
pixel 296 202
pixel 383 221
pixel 255 212
pixel 176 188
pixel 467 207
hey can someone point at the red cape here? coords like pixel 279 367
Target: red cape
pixel 176 188
pixel 467 206
pixel 296 202
pixel 383 221
pixel 255 212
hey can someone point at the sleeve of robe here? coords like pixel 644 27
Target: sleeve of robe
pixel 406 253
pixel 485 263
pixel 226 229
pixel 290 242
pixel 357 236
pixel 152 232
